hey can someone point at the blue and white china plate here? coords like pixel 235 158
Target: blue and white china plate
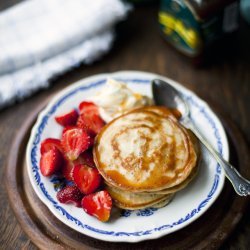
pixel 127 226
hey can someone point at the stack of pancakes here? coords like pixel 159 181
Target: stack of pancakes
pixel 145 156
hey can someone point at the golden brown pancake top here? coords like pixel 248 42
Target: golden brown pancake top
pixel 144 150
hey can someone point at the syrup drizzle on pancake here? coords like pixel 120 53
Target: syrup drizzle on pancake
pixel 145 150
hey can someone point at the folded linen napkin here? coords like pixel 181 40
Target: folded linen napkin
pixel 40 39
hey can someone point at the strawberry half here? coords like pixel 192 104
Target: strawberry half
pixel 74 141
pixel 70 194
pixel 67 170
pixel 85 158
pixel 87 107
pixel 89 118
pixel 86 178
pixel 98 204
pixel 68 119
pixel 51 161
pixel 50 143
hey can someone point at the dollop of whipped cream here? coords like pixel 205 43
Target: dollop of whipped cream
pixel 116 98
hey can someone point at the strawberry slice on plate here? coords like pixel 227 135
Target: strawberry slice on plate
pixel 87 179
pixel 85 158
pixel 51 161
pixel 67 169
pixel 92 123
pixel 98 204
pixel 89 118
pixel 88 107
pixel 50 143
pixel 70 194
pixel 74 141
pixel 68 119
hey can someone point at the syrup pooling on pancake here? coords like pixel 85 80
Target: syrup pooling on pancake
pixel 144 151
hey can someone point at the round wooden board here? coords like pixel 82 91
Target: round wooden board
pixel 47 232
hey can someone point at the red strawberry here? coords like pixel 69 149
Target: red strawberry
pixel 51 161
pixel 50 143
pixel 68 119
pixel 98 204
pixel 85 158
pixel 92 122
pixel 92 140
pixel 86 178
pixel 89 118
pixel 67 170
pixel 87 107
pixel 70 194
pixel 74 141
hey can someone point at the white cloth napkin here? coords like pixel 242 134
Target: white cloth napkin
pixel 40 39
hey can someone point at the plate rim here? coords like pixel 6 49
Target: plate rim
pixel 89 82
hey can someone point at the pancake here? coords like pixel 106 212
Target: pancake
pixel 163 111
pixel 179 186
pixel 145 150
pixel 188 179
pixel 133 201
pixel 163 203
pixel 192 174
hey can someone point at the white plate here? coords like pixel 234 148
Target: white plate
pixel 187 205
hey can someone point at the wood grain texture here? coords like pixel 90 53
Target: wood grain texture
pixel 225 83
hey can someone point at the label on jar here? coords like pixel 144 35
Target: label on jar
pixel 190 34
pixel 180 27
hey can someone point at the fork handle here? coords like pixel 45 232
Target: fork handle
pixel 240 184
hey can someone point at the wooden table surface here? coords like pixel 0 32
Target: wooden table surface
pixel 225 82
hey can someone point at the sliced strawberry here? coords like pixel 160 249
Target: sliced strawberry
pixel 51 161
pixel 70 194
pixel 92 140
pixel 98 204
pixel 68 119
pixel 67 170
pixel 74 141
pixel 87 107
pixel 50 143
pixel 89 118
pixel 85 158
pixel 91 122
pixel 86 178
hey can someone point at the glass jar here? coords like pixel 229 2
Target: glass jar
pixel 192 26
